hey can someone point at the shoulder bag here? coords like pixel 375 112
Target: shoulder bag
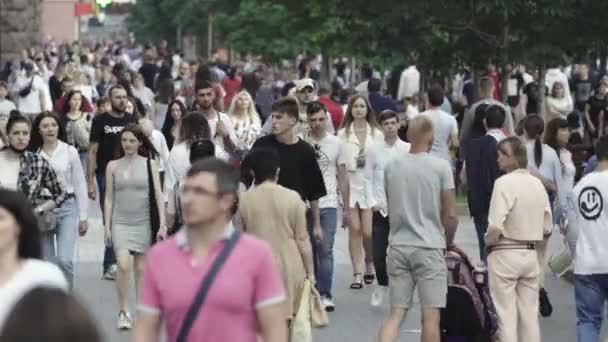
pixel 154 218
pixel 27 89
pixel 205 285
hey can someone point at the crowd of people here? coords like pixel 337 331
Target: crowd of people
pixel 222 188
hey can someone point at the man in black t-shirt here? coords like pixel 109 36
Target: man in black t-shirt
pixel 582 88
pixel 299 169
pixel 104 143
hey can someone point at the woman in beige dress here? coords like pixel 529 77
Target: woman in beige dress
pixel 277 215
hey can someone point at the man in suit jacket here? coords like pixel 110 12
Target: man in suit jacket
pixel 482 170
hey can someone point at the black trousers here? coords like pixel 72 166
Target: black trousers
pixel 380 231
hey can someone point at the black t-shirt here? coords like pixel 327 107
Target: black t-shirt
pixel 532 91
pixel 105 130
pixel 596 105
pixel 300 170
pixel 582 90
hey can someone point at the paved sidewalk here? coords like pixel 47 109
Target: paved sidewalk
pixel 353 320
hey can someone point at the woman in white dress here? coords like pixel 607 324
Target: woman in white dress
pixel 247 125
pixel 359 130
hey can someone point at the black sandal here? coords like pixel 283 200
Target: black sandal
pixel 356 285
pixel 369 278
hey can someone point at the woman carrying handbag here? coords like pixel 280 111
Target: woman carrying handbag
pixel 132 211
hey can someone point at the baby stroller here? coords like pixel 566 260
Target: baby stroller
pixel 469 315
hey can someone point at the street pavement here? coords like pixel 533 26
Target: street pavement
pixel 354 319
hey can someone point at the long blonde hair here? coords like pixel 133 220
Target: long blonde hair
pixel 252 113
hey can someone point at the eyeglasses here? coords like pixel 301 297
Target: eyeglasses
pixel 309 90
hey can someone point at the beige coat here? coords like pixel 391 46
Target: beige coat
pixel 277 215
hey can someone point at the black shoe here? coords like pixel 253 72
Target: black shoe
pixel 545 307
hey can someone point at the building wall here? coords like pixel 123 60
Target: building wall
pixel 59 21
pixel 19 27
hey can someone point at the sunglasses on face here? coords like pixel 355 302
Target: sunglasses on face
pixel 309 90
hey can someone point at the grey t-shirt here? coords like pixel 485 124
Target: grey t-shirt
pixel 413 185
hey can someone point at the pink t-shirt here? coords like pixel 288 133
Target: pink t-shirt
pixel 248 280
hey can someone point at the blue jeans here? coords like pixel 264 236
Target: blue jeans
pixel 323 252
pixel 109 258
pixel 66 234
pixel 591 292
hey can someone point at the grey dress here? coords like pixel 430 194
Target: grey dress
pixel 131 229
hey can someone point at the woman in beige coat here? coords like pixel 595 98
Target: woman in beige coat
pixel 277 215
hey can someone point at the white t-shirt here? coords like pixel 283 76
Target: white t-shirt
pixel 444 125
pixel 33 274
pixel 9 172
pixel 589 215
pixel 34 102
pixel 220 151
pixel 5 107
pixel 330 154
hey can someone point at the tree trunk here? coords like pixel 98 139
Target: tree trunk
pixel 353 72
pixel 542 72
pixel 209 35
pixel 179 37
pixel 603 57
pixel 325 67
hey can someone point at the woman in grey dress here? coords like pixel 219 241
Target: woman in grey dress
pixel 128 211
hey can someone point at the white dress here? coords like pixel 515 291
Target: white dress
pixel 360 184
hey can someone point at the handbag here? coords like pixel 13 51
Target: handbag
pixel 205 285
pixel 27 90
pixel 154 218
pixel 47 221
pixel 318 315
pixel 560 262
pixel 301 329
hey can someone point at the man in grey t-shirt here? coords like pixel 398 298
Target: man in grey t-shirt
pixel 423 221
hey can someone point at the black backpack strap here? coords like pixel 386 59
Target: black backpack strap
pixel 208 279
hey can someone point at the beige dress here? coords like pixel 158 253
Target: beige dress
pixel 277 215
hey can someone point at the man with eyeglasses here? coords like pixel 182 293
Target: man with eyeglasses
pixel 330 156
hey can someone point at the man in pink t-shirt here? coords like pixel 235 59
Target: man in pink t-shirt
pixel 246 298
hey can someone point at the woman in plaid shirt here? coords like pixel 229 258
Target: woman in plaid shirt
pixel 26 171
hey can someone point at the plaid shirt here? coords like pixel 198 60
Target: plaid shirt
pixel 38 181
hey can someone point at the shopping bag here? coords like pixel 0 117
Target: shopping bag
pixel 301 329
pixel 560 262
pixel 318 315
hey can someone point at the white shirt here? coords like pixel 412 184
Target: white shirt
pixel 378 156
pixel 160 145
pixel 409 83
pixel 330 154
pixel 9 172
pixel 220 151
pixel 444 126
pixel 33 274
pixel 555 75
pixel 5 107
pixel 65 160
pixel 178 165
pixel 589 216
pixel 35 101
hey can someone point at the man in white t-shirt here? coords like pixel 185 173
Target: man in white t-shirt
pixel 588 216
pixel 220 124
pixel 329 151
pixel 378 156
pixel 444 124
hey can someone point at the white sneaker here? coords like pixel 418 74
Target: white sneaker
pixel 328 304
pixel 111 272
pixel 125 322
pixel 378 295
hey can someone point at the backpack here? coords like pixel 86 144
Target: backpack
pixel 469 315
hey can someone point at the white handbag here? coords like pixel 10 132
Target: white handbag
pixel 560 261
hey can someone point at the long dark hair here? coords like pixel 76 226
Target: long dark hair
pixel 534 128
pixel 553 128
pixel 36 140
pixel 59 316
pixel 169 124
pixel 66 107
pixel 146 149
pixel 29 235
pixel 194 126
pixel 348 116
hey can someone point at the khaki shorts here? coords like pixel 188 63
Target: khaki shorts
pixel 410 266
